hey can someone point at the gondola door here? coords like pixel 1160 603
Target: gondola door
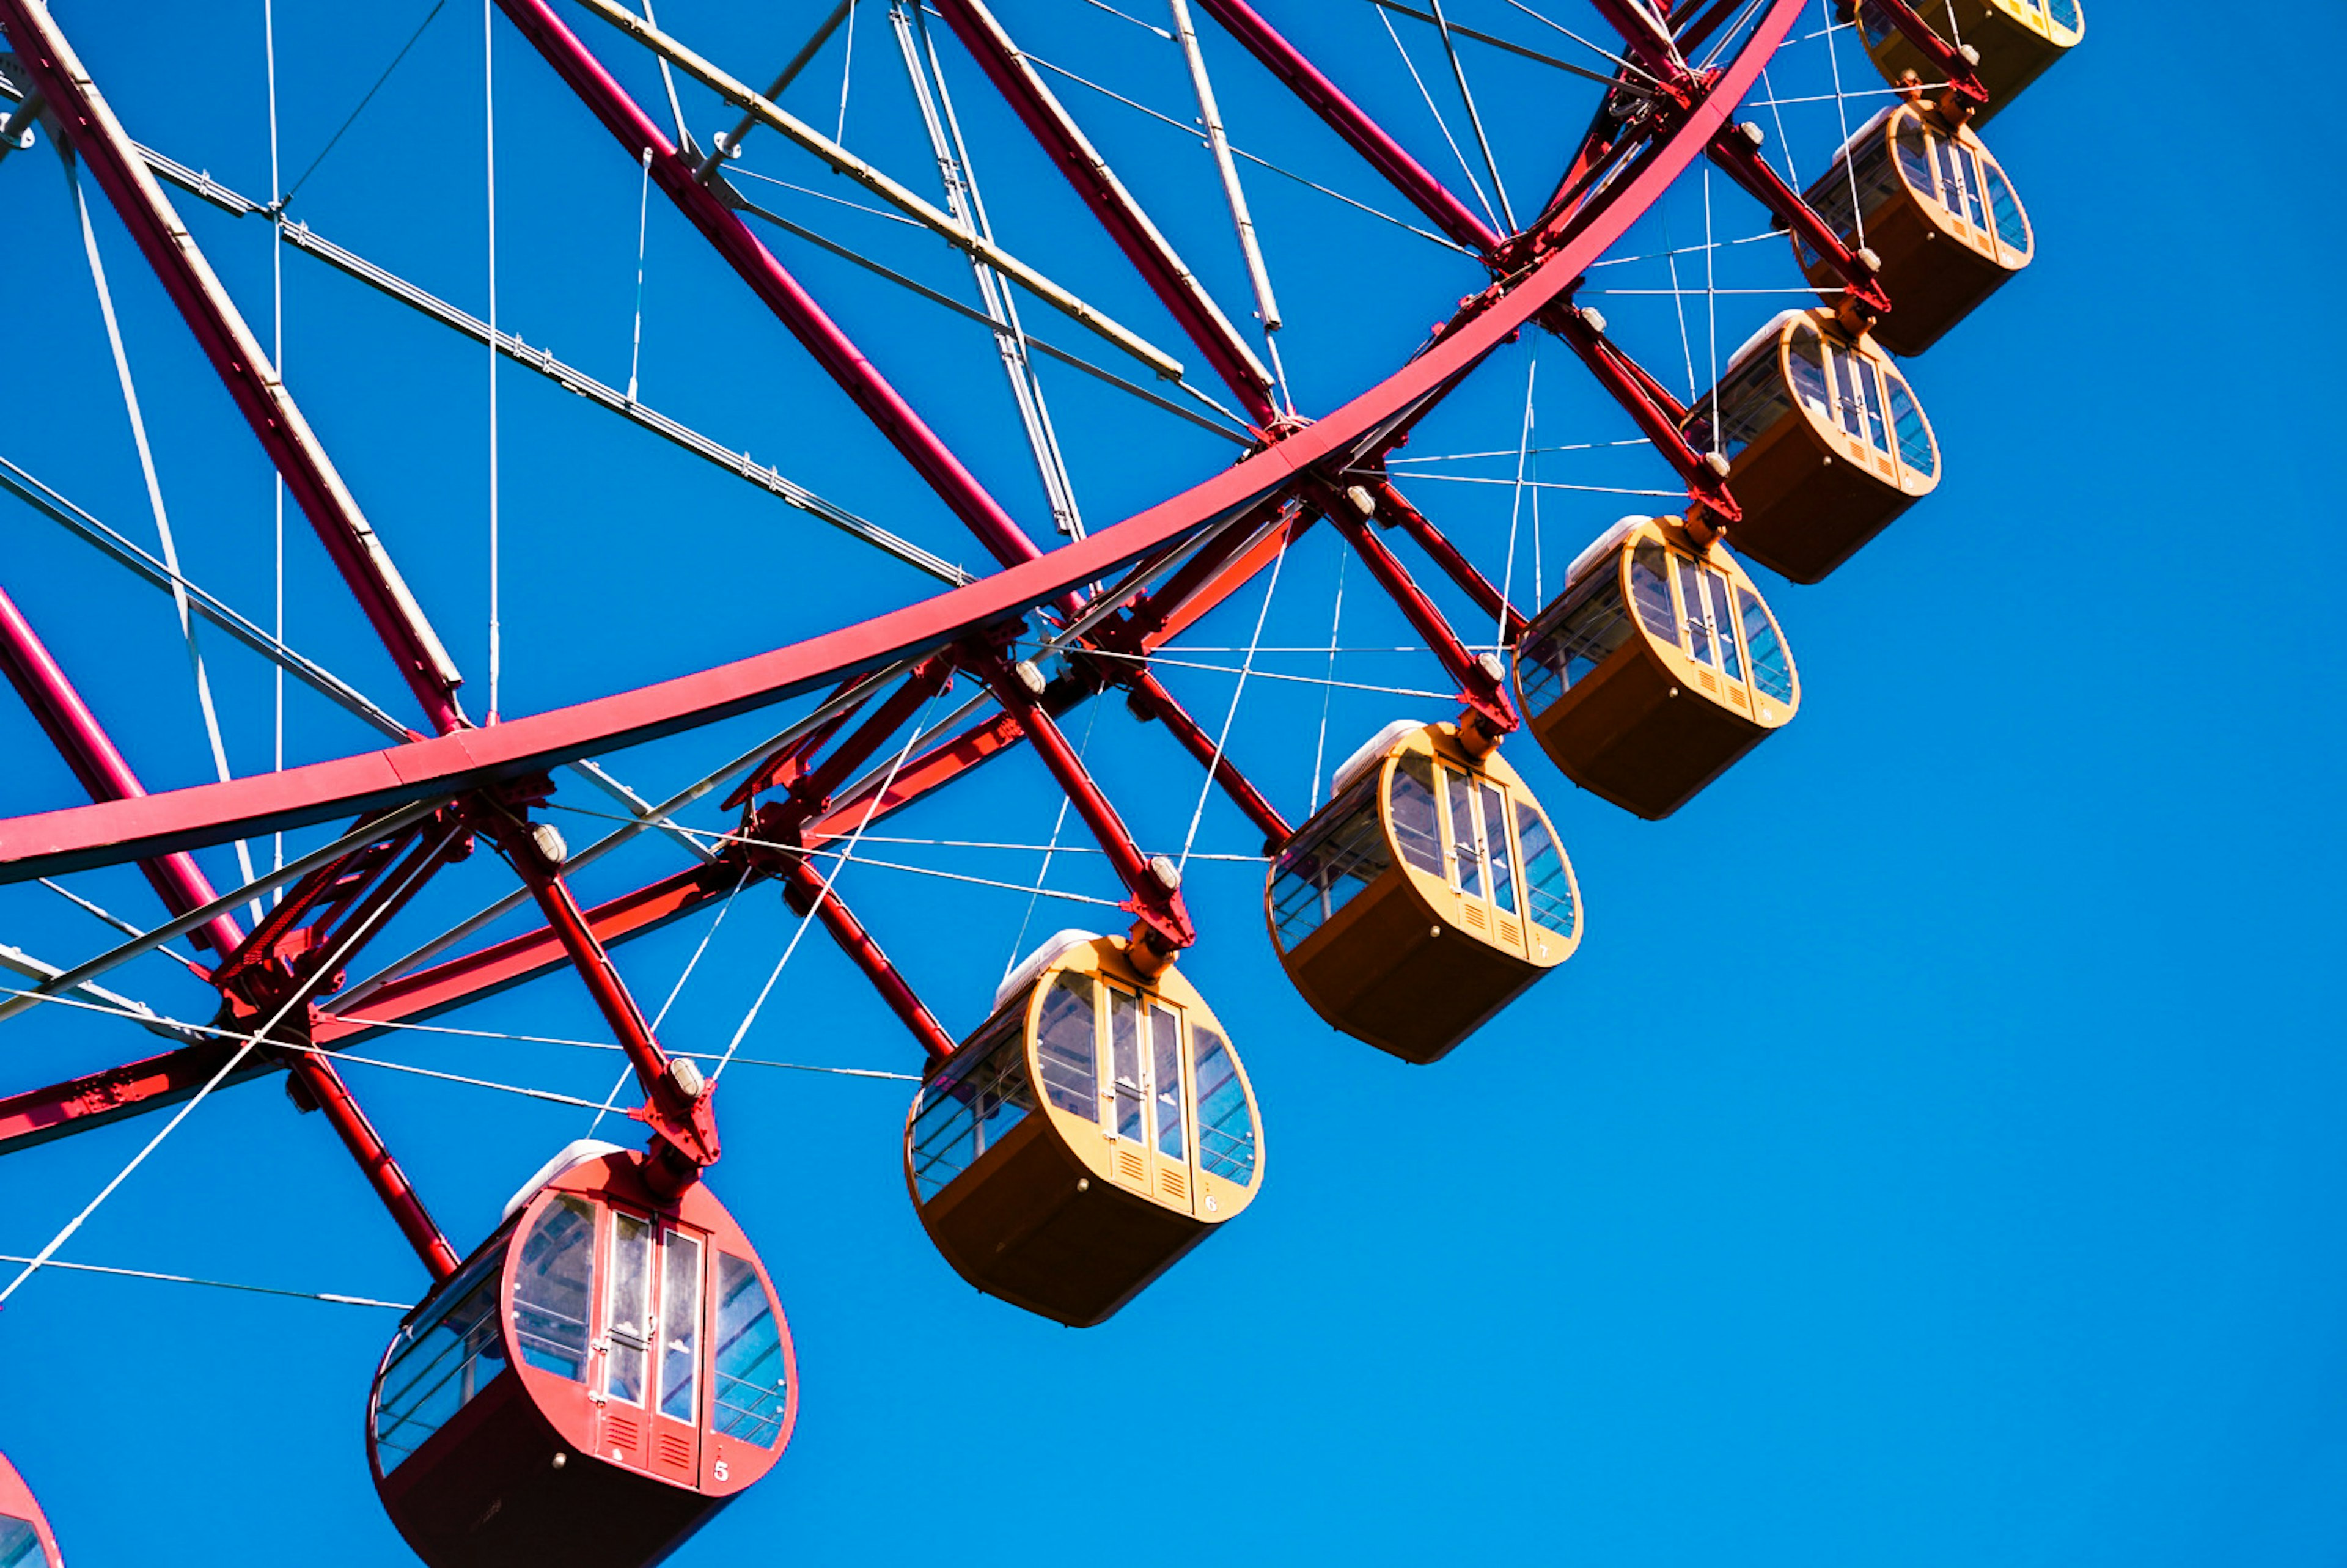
pixel 1481 865
pixel 651 1348
pixel 1708 634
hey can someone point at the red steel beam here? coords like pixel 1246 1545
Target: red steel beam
pixel 327 1090
pixel 236 355
pixel 1481 688
pixel 1647 39
pixel 1394 508
pixel 1348 120
pixel 677 176
pixel 677 1105
pixel 96 761
pixel 1150 699
pixel 1737 149
pixel 1150 253
pixel 1156 899
pixel 119 831
pixel 1962 76
pixel 806 890
pixel 1651 405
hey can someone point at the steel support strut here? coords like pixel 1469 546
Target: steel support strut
pixel 1965 88
pixel 1737 149
pixel 677 176
pixel 808 893
pixel 1148 698
pixel 183 888
pixel 1658 414
pixel 99 139
pixel 1489 714
pixel 1150 253
pixel 677 1103
pixel 1164 926
pixel 1395 510
pixel 91 754
pixel 1347 119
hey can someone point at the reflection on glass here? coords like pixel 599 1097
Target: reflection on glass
pixel 1466 843
pixel 1165 1080
pixel 1415 826
pixel 1225 1129
pixel 440 1361
pixel 1322 868
pixel 1125 1058
pixel 630 1311
pixel 751 1390
pixel 1549 889
pixel 1772 669
pixel 1495 840
pixel 1066 1048
pixel 20 1546
pixel 1650 589
pixel 553 1286
pixel 680 1360
pixel 970 1106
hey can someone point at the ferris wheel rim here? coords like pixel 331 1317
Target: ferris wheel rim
pixel 112 833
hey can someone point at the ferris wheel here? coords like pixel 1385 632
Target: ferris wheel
pixel 1191 294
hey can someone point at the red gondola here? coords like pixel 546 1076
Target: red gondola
pixel 25 1539
pixel 603 1374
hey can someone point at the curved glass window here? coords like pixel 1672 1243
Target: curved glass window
pixel 2065 13
pixel 1805 366
pixel 965 1111
pixel 440 1361
pixel 1466 843
pixel 1650 589
pixel 1066 1048
pixel 1548 888
pixel 1567 649
pixel 679 1332
pixel 1321 872
pixel 20 1544
pixel 1124 1062
pixel 1873 25
pixel 1857 403
pixel 553 1287
pixel 1749 399
pixel 1915 159
pixel 1958 182
pixel 1496 846
pixel 2012 224
pixel 1914 436
pixel 753 1385
pixel 1416 828
pixel 629 1316
pixel 1225 1127
pixel 1772 669
pixel 1165 1081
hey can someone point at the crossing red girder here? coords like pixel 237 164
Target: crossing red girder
pixel 1737 149
pixel 1552 258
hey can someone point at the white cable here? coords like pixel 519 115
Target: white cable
pixel 643 218
pixel 1472 184
pixel 155 502
pixel 277 356
pixel 871 809
pixel 1711 301
pixel 300 994
pixel 846 74
pixel 1842 108
pixel 489 139
pixel 1335 621
pixel 1516 499
pixel 338 1299
pixel 611 1099
pixel 1043 871
pixel 1246 667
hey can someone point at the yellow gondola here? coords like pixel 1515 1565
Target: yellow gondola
pixel 2017 40
pixel 1942 221
pixel 1424 896
pixel 1656 668
pixel 1090 1133
pixel 1827 442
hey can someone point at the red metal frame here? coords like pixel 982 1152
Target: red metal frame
pixel 1346 118
pixel 807 892
pixel 1963 78
pixel 1736 150
pixel 1149 699
pixel 98 765
pixel 1651 405
pixel 236 355
pixel 1395 511
pixel 1484 690
pixel 1055 130
pixel 130 829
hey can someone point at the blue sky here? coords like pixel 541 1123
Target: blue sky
pixel 1932 1157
